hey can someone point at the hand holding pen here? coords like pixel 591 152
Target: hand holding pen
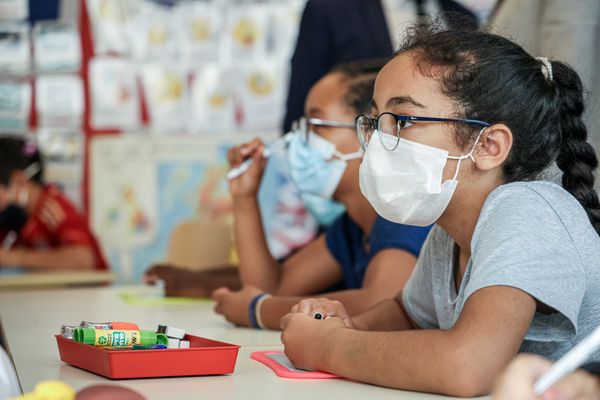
pixel 247 164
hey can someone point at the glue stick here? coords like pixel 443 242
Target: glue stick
pixel 118 338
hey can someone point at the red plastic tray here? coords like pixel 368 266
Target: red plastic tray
pixel 204 357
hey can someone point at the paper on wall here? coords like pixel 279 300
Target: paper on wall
pixel 262 94
pixel 153 33
pixel 57 47
pixel 201 30
pixel 166 93
pixel 59 100
pixel 114 93
pixel 284 21
pixel 15 48
pixel 246 32
pixel 124 195
pixel 110 20
pixel 14 10
pixel 63 157
pixel 212 102
pixel 15 106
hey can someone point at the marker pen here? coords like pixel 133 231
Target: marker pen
pixel 267 152
pixel 128 326
pixel 569 362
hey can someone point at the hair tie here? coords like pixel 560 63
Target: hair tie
pixel 546 68
pixel 30 148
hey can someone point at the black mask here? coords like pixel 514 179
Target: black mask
pixel 13 218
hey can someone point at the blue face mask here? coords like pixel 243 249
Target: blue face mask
pixel 311 165
pixel 324 210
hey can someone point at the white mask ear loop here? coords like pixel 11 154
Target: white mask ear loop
pixel 349 156
pixel 468 155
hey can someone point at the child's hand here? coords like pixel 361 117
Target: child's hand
pixel 518 379
pixel 179 282
pixel 306 339
pixel 52 214
pixel 247 184
pixel 234 306
pixel 327 308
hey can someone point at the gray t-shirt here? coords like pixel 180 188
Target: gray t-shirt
pixel 533 236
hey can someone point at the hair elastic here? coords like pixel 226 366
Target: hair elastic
pixel 546 68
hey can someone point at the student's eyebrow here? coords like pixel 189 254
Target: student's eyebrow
pixel 403 100
pixel 374 105
pixel 314 111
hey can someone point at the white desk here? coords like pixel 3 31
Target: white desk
pixel 55 279
pixel 32 318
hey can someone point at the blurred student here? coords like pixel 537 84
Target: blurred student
pixel 39 227
pixel 361 253
pixel 372 257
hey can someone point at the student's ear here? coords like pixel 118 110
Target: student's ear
pixel 493 147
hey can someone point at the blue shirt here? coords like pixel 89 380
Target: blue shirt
pixel 346 242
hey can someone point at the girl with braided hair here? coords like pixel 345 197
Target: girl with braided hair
pixel 463 125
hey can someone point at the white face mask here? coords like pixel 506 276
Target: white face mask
pixel 405 185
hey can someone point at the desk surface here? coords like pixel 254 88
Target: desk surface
pixel 54 279
pixel 31 318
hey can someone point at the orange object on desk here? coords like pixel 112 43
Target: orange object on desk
pixel 204 357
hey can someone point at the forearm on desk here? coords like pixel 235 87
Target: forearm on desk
pixel 427 361
pixel 355 301
pixel 67 258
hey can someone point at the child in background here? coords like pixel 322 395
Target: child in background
pixel 463 124
pixel 372 257
pixel 39 227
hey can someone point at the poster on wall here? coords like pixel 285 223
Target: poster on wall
pixel 114 94
pixel 284 21
pixel 15 106
pixel 201 31
pixel 166 94
pixel 153 32
pixel 261 89
pixel 246 32
pixel 141 191
pixel 14 10
pixel 57 47
pixel 62 150
pixel 110 20
pixel 59 100
pixel 14 47
pixel 213 106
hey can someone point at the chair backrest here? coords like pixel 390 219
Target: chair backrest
pixel 200 244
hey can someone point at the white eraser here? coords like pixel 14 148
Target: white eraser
pixel 173 332
pixel 184 344
pixel 173 343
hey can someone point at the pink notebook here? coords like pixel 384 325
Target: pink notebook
pixel 281 365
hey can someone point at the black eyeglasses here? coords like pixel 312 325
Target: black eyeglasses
pixel 392 125
pixel 305 125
